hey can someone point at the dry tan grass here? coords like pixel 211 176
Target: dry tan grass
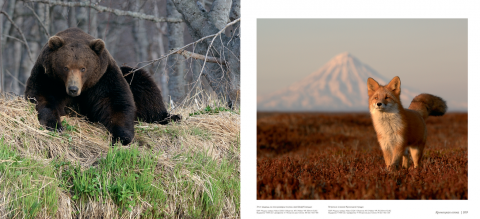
pixel 20 127
pixel 89 142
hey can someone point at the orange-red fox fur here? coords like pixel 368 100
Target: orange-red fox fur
pixel 399 129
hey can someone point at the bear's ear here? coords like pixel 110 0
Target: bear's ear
pixel 55 42
pixel 97 46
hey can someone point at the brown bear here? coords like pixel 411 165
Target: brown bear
pixel 75 69
pixel 147 97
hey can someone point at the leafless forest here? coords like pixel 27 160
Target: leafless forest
pixel 192 48
pixel 337 156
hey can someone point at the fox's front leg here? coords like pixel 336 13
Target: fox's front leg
pixel 387 156
pixel 417 153
pixel 398 152
pixel 405 159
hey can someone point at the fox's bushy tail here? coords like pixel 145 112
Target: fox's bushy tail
pixel 428 105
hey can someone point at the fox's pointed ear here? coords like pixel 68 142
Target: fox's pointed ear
pixel 394 85
pixel 372 86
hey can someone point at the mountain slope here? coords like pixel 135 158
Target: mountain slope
pixel 340 85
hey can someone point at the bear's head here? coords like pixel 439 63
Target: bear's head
pixel 80 63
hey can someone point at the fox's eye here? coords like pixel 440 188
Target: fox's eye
pixel 66 69
pixel 376 98
pixel 386 98
pixel 83 69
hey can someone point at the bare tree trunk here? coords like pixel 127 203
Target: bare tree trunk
pixel 82 19
pixel 93 29
pixel 140 36
pixel 6 78
pixel 218 15
pixel 11 78
pixel 26 63
pixel 17 58
pixel 6 29
pixel 234 54
pixel 59 18
pixel 176 82
pixel 72 19
pixel 111 37
pixel 234 15
pixel 160 72
pixel 43 13
pixel 47 19
pixel 1 51
pixel 114 30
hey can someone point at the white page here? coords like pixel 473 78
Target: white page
pixel 251 10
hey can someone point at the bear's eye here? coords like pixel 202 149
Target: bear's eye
pixel 66 69
pixel 83 69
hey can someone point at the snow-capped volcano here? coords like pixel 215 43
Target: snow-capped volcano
pixel 340 85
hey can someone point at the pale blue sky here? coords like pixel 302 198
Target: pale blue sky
pixel 429 55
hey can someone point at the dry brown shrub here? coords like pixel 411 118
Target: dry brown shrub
pixel 337 156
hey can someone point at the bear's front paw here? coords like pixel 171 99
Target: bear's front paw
pixel 171 118
pixel 124 140
pixel 176 118
pixel 54 127
pixel 50 120
pixel 121 135
pixel 51 124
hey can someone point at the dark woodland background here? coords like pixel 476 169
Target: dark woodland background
pixel 142 31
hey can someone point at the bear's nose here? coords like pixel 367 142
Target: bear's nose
pixel 379 104
pixel 73 90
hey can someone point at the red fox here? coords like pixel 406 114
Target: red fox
pixel 400 129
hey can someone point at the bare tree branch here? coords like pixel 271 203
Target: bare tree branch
pixel 39 21
pixel 117 12
pixel 224 81
pixel 21 33
pixel 16 79
pixel 215 36
pixel 182 48
pixel 188 54
pixel 14 38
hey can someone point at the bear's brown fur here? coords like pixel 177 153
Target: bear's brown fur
pixel 74 68
pixel 147 96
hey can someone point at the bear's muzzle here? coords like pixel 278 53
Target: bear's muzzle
pixel 74 83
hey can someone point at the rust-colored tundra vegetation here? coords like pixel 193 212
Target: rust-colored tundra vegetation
pixel 337 156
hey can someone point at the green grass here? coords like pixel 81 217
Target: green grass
pixel 220 181
pixel 189 169
pixel 212 110
pixel 202 133
pixel 126 176
pixel 28 186
pixel 129 177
